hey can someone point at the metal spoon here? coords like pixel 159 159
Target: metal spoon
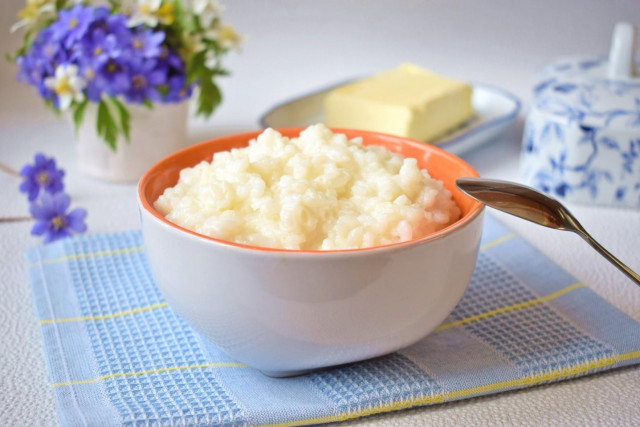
pixel 534 206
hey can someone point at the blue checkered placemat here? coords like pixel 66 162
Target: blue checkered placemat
pixel 118 355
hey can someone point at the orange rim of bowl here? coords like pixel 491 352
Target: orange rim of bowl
pixel 192 155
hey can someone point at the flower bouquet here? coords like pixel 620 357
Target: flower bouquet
pixel 115 55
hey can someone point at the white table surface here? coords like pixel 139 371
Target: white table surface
pixel 295 46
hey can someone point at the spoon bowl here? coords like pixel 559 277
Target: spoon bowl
pixel 535 206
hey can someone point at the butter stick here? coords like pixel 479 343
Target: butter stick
pixel 407 101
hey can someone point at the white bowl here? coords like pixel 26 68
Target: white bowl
pixel 286 312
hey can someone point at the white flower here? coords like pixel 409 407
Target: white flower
pixel 194 43
pixel 35 12
pixel 206 11
pixel 151 13
pixel 226 36
pixel 67 85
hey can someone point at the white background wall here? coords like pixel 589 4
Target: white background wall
pixel 298 45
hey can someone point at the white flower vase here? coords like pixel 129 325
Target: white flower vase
pixel 154 134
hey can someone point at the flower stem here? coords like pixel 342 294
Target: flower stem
pixel 15 219
pixel 6 169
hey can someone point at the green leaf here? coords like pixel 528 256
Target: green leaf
pixel 178 12
pixel 100 119
pixel 210 96
pixel 107 127
pixel 222 72
pixel 148 104
pixel 125 117
pixel 196 68
pixel 78 115
pixel 189 24
pixel 163 89
pixel 114 6
pixel 183 20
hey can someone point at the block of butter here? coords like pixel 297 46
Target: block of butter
pixel 407 101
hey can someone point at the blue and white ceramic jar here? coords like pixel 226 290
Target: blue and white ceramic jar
pixel 581 141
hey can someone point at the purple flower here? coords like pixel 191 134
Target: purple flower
pixel 117 25
pixel 99 47
pixel 145 76
pixel 52 219
pixel 108 37
pixel 178 89
pixel 147 44
pixel 40 62
pixel 172 60
pixel 111 57
pixel 101 13
pixel 95 84
pixel 72 25
pixel 42 174
pixel 47 53
pixel 28 70
pixel 113 76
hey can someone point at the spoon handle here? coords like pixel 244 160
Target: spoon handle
pixel 609 256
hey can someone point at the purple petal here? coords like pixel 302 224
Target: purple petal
pixel 30 188
pixel 111 42
pixel 153 95
pixel 26 170
pixel 101 12
pixel 176 82
pixel 25 186
pixel 40 159
pixel 39 228
pixel 55 186
pixel 94 92
pixel 33 193
pixel 75 220
pixel 157 38
pixel 50 164
pixel 56 235
pixel 121 84
pixel 147 66
pixel 61 202
pixel 57 175
pixel 42 211
pixel 47 200
pixel 99 36
pixel 157 77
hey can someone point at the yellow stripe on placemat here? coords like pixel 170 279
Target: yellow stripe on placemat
pixel 529 380
pixel 104 316
pixel 88 255
pixel 152 371
pixel 557 374
pixel 497 241
pixel 509 308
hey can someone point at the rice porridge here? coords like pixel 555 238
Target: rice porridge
pixel 319 191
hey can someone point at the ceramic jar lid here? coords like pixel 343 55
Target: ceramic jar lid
pixel 579 89
pixel 581 140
